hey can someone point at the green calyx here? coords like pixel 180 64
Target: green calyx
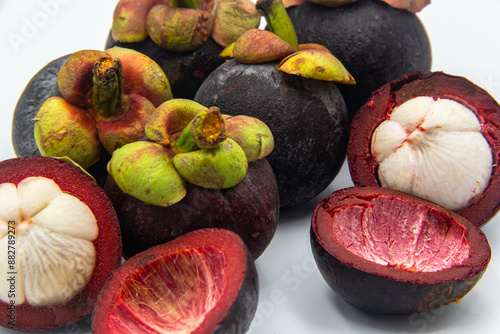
pixel 145 171
pixel 278 20
pixel 196 144
pixel 219 167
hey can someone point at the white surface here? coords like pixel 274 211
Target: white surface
pixel 293 296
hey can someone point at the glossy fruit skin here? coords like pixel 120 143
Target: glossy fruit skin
pixel 250 209
pixel 185 70
pixel 108 245
pixel 231 320
pixel 380 289
pixel 376 42
pixel 362 165
pixel 307 117
pixel 42 86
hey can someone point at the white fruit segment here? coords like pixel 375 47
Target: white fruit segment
pixel 46 252
pixel 433 149
pixel 394 232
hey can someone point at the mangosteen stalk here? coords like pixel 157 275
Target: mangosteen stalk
pixel 278 20
pixel 107 92
pixel 207 129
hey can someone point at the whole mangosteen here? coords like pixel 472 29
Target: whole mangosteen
pixel 295 96
pixel 197 169
pixel 433 135
pixel 375 41
pixel 187 48
pixel 85 105
pixel 389 252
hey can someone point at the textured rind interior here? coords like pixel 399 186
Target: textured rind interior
pixel 394 232
pixel 172 294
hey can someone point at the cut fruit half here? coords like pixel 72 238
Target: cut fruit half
pixel 201 282
pixel 59 240
pixel 432 135
pixel 386 251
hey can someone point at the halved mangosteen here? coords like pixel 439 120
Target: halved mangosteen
pixel 202 282
pixel 60 240
pixel 389 252
pixel 433 135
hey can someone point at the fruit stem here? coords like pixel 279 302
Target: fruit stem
pixel 108 86
pixel 193 4
pixel 278 20
pixel 207 129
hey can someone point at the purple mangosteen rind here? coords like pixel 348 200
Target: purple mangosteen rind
pixel 250 209
pixel 438 85
pixel 237 302
pixel 384 289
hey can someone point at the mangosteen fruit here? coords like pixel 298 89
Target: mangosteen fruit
pixel 60 240
pixel 202 282
pixel 85 105
pixel 433 135
pixel 375 41
pixel 187 48
pixel 292 89
pixel 389 252
pixel 197 168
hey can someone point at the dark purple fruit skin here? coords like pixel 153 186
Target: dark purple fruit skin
pixel 239 317
pixel 381 296
pixel 385 295
pixel 307 117
pixel 42 86
pixel 376 42
pixel 250 209
pixel 185 70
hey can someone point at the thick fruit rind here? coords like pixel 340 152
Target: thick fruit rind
pixel 250 209
pixel 107 245
pixel 362 164
pixel 238 303
pixel 377 288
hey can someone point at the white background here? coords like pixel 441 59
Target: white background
pixel 294 298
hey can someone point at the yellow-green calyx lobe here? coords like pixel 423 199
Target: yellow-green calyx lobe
pixel 316 64
pixel 145 171
pixel 220 167
pixel 179 29
pixel 278 20
pixel 260 46
pixel 253 135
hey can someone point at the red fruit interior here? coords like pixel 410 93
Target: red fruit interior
pixel 184 286
pixel 172 293
pixel 399 236
pixel 395 232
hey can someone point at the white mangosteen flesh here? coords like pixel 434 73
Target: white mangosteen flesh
pixel 433 149
pixel 48 236
pixel 394 232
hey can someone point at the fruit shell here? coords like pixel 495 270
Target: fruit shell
pixel 234 311
pixel 307 117
pixel 374 41
pixel 377 288
pixel 251 209
pixel 362 165
pixel 107 245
